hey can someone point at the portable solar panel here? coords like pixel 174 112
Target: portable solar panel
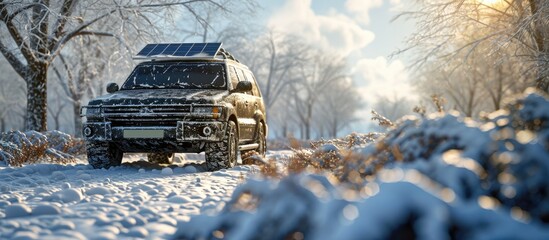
pixel 176 50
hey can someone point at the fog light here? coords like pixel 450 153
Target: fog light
pixel 87 131
pixel 207 131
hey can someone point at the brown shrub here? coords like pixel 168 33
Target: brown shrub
pixel 334 156
pixel 18 148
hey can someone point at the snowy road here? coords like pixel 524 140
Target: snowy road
pixel 136 200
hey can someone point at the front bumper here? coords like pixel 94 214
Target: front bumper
pixel 185 131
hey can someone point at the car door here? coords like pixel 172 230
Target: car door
pixel 259 107
pixel 238 100
pixel 246 111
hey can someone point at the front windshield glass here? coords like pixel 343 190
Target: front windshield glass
pixel 182 75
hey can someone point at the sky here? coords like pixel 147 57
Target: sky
pixel 361 30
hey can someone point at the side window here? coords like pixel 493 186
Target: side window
pixel 251 78
pixel 233 76
pixel 242 77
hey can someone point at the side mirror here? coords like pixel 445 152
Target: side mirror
pixel 243 86
pixel 112 87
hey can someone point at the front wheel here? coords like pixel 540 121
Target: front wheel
pixel 223 154
pixel 103 155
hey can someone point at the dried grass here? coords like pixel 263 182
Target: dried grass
pixel 18 148
pixel 334 156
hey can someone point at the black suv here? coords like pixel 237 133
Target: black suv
pixel 182 98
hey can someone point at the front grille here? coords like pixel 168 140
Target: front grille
pixel 148 109
pixel 130 123
pixel 146 115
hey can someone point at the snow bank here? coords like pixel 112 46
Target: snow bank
pixel 312 207
pixel 440 177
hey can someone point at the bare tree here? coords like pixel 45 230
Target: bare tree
pixel 211 21
pixel 477 82
pixel 35 32
pixel 56 112
pixel 271 56
pixel 394 107
pixel 311 79
pixel 520 25
pixel 338 106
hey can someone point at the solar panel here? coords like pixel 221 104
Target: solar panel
pixel 179 50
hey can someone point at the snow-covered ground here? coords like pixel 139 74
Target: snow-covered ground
pixel 442 176
pixel 135 200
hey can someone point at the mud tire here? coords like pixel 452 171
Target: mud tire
pixel 103 155
pixel 160 158
pixel 223 154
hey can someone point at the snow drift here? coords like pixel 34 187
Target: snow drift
pixel 440 177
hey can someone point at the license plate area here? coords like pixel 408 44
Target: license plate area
pixel 143 133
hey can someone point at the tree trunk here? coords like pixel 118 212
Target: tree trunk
pixel 541 34
pixel 334 128
pixel 37 96
pixel 77 119
pixel 542 80
pixel 57 121
pixel 2 124
pixel 308 123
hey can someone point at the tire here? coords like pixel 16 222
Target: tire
pixel 160 158
pixel 103 155
pixel 223 154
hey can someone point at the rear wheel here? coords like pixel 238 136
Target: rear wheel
pixel 160 158
pixel 103 155
pixel 223 154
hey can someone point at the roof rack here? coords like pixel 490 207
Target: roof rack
pixel 171 51
pixel 226 55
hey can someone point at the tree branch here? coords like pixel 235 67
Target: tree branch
pixel 17 65
pixel 66 10
pixel 16 36
pixel 59 45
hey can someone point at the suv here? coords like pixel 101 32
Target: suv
pixel 182 98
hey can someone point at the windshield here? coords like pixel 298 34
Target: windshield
pixel 182 75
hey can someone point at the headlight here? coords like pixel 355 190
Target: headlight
pixel 215 111
pixel 93 111
pixel 202 109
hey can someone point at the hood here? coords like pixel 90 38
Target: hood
pixel 161 96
